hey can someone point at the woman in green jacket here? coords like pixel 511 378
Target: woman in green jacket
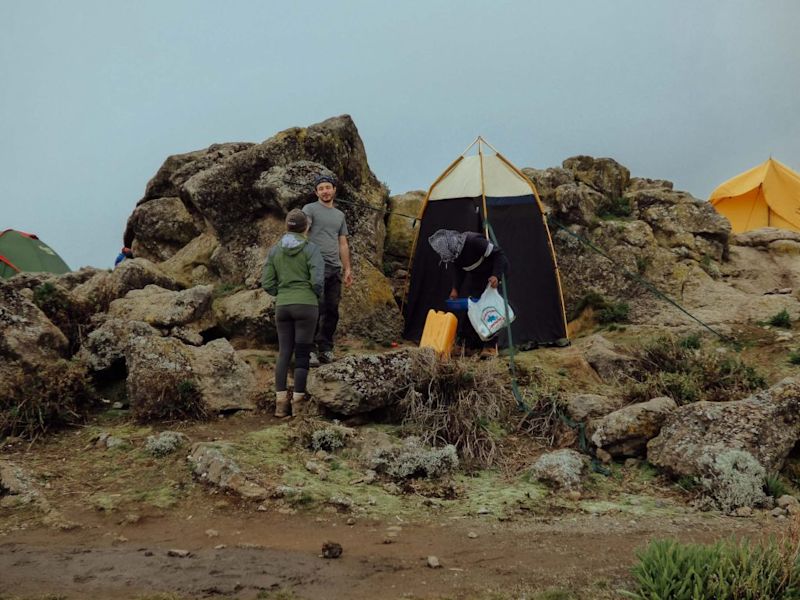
pixel 294 273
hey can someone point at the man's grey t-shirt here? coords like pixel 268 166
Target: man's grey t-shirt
pixel 327 224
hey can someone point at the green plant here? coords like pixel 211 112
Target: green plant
pixel 620 207
pixel 671 367
pixel 615 312
pixel 775 486
pixel 690 342
pixel 727 570
pixel 781 319
pixel 794 357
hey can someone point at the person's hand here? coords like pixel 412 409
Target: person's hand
pixel 348 277
pixel 453 294
pixel 493 281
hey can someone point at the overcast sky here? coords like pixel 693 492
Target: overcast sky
pixel 94 95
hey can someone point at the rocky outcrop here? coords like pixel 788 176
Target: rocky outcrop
pixel 400 230
pixel 605 175
pixel 765 425
pixel 107 345
pixel 625 432
pixel 247 317
pixel 227 206
pixel 166 309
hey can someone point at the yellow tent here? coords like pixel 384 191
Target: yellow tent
pixel 765 196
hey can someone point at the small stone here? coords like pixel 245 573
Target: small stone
pixel 351 521
pixel 781 517
pixel 313 467
pixel 472 535
pixel 484 511
pixel 744 511
pixel 148 553
pixel 786 500
pixel 262 508
pixel 574 495
pixel 396 528
pixel 778 512
pixel 118 406
pixel 391 534
pixel 121 539
pixel 631 463
pixel 212 533
pixel 331 550
pixel 434 563
pixel 603 456
pixel 177 553
pixel 388 540
pixel 220 547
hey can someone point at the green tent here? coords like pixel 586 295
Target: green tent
pixel 20 252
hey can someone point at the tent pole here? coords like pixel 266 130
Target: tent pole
pixel 475 141
pixel 483 190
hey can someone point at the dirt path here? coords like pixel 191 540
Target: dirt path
pixel 249 554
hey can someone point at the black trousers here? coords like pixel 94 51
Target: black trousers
pixel 329 311
pixel 295 324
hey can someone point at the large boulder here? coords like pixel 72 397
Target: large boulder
pixel 765 425
pixel 161 227
pixel 605 175
pixel 360 384
pixel 26 334
pixel 547 181
pixel 576 203
pixel 625 432
pixel 247 317
pixel 166 308
pixel 106 346
pixel 158 366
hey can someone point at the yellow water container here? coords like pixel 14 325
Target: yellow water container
pixel 439 332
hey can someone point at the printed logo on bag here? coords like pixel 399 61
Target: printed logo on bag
pixel 492 317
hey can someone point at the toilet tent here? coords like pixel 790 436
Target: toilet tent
pixel 479 192
pixel 765 196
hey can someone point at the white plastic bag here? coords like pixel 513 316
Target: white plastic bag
pixel 487 315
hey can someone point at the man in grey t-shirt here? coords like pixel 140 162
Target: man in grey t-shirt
pixel 329 232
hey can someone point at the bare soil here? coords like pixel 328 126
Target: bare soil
pixel 111 517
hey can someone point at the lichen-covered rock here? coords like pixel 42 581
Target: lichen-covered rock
pixel 166 308
pixel 26 334
pixel 400 230
pixel 582 408
pixel 625 432
pixel 17 487
pixel 161 226
pixel 413 459
pixel 157 366
pixel 733 479
pixel 107 344
pixel 131 274
pixel 210 462
pixel 605 175
pixel 360 384
pixel 547 181
pixel 165 442
pixel 192 264
pixel 248 316
pixel 576 203
pixel 606 359
pixel 563 469
pixel 766 425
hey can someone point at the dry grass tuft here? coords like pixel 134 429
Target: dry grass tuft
pixel 174 400
pixel 459 401
pixel 34 402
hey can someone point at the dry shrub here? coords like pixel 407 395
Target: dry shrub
pixel 37 401
pixel 687 373
pixel 173 399
pixel 71 317
pixel 460 402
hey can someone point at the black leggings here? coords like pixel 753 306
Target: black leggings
pixel 295 324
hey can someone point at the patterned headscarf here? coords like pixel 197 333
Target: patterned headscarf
pixel 448 244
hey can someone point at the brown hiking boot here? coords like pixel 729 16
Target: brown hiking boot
pixel 282 404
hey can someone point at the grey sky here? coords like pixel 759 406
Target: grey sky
pixel 94 95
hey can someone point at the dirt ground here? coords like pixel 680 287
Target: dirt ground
pixel 119 523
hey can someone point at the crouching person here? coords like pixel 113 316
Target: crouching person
pixel 294 274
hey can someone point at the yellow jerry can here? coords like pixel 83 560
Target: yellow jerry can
pixel 439 332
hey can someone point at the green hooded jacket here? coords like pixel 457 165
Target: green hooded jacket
pixel 294 271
